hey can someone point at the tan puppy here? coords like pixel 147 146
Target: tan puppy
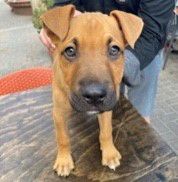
pixel 88 68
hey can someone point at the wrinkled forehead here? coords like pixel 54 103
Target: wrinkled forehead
pixel 95 28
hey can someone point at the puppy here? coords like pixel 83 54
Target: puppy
pixel 87 71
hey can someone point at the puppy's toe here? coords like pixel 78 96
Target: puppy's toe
pixel 113 163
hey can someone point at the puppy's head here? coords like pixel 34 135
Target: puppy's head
pixel 89 60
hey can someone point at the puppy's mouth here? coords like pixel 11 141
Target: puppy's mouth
pixel 81 104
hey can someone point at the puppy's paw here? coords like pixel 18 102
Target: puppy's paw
pixel 111 157
pixel 63 164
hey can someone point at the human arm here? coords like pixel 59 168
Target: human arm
pixel 155 15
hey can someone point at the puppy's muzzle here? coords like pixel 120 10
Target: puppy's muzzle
pixel 93 96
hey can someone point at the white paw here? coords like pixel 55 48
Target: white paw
pixel 111 158
pixel 63 164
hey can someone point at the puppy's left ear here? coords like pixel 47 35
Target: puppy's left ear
pixel 130 25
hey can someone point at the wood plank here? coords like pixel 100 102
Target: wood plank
pixel 28 148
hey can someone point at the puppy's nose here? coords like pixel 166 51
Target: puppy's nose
pixel 94 93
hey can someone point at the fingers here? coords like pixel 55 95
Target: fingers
pixel 46 41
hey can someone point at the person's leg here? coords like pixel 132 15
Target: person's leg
pixel 143 95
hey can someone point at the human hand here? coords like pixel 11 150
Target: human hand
pixel 46 40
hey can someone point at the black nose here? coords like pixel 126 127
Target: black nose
pixel 94 93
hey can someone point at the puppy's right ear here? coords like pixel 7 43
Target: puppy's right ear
pixel 131 25
pixel 57 20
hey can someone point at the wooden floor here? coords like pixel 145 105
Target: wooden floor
pixel 28 148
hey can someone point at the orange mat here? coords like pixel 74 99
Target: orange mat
pixel 25 79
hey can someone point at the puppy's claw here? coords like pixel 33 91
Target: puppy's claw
pixel 112 167
pixel 114 164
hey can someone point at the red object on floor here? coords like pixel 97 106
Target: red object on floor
pixel 25 79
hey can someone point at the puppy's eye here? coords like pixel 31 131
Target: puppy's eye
pixel 70 53
pixel 114 52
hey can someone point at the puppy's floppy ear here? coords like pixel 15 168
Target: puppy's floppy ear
pixel 130 25
pixel 57 20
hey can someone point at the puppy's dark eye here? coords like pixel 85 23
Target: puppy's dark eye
pixel 70 53
pixel 114 52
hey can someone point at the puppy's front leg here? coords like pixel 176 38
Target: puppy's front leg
pixel 64 163
pixel 110 156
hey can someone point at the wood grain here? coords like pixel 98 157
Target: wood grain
pixel 28 147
